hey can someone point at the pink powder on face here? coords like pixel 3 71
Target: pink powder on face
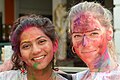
pixel 83 40
pixel 92 51
pixel 83 21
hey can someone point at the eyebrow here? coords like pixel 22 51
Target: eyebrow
pixel 25 41
pixel 40 37
pixel 96 29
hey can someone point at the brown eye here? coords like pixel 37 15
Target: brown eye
pixel 26 46
pixel 41 41
pixel 77 36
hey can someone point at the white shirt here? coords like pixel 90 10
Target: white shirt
pixel 87 75
pixel 16 75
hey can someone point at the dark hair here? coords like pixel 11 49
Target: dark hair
pixel 20 25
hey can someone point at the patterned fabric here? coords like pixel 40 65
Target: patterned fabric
pixel 12 75
pixel 16 75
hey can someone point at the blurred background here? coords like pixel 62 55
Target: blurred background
pixel 57 11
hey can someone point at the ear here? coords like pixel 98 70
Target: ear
pixel 55 46
pixel 109 34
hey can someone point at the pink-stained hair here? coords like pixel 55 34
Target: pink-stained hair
pixel 100 13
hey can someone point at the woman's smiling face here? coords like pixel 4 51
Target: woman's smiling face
pixel 36 48
pixel 88 38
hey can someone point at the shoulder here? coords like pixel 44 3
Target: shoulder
pixel 116 71
pixel 10 72
pixel 79 75
pixel 61 76
pixel 10 75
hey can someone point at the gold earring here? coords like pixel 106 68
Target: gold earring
pixel 73 49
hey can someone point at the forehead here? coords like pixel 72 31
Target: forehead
pixel 85 22
pixel 31 33
pixel 32 30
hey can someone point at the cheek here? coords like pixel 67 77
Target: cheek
pixel 101 43
pixel 103 46
pixel 49 50
pixel 77 46
pixel 75 43
pixel 50 55
pixel 25 55
pixel 26 59
pixel 98 42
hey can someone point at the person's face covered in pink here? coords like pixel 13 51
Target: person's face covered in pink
pixel 89 39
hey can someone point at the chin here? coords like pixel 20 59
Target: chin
pixel 43 66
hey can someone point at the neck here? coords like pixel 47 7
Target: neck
pixel 103 64
pixel 44 74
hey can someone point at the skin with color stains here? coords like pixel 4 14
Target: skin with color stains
pixel 89 40
pixel 91 33
pixel 34 42
pixel 35 65
pixel 34 48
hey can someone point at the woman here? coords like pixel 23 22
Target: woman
pixel 91 33
pixel 34 42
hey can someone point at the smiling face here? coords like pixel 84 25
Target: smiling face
pixel 88 38
pixel 36 48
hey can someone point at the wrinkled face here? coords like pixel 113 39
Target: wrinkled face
pixel 88 38
pixel 36 48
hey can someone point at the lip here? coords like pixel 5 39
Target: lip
pixel 89 51
pixel 39 58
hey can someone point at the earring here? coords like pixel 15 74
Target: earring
pixel 73 49
pixel 22 69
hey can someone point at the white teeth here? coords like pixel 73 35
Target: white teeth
pixel 39 57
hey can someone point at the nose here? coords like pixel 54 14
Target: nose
pixel 36 49
pixel 84 41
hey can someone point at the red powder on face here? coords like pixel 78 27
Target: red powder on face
pixel 83 21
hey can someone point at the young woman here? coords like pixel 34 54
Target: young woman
pixel 34 42
pixel 91 33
